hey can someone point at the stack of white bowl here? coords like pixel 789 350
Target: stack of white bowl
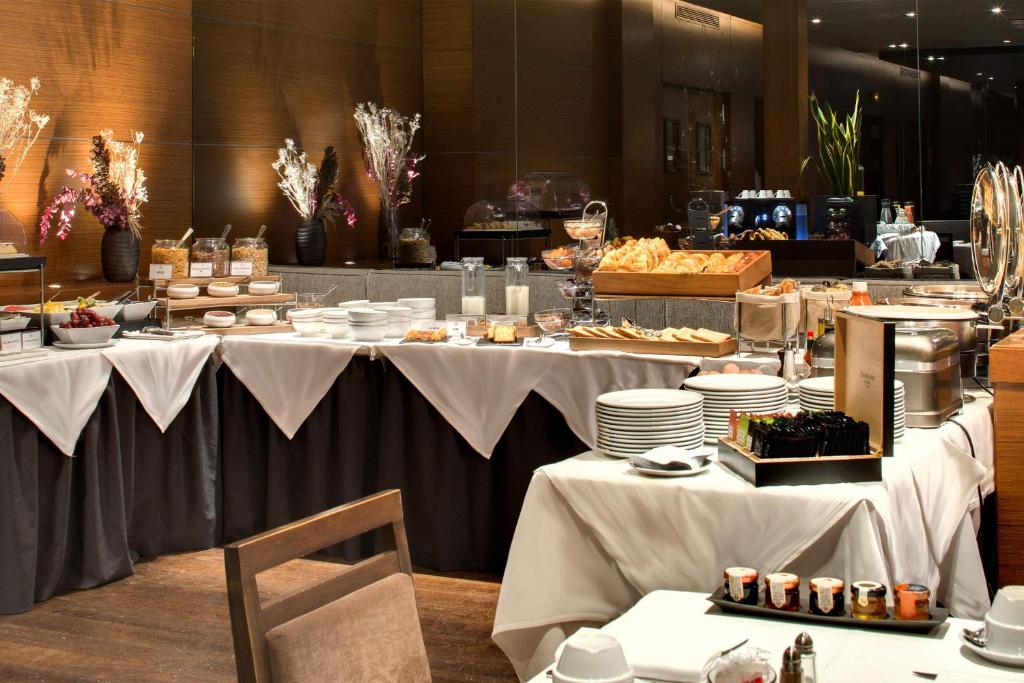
pixel 336 322
pixel 634 421
pixel 367 324
pixel 424 311
pixel 819 393
pixel 743 393
pixel 355 303
pixel 308 322
pixel 399 319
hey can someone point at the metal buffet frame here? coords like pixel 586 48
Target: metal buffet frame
pixel 583 299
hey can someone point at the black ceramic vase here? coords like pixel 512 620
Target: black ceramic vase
pixel 311 243
pixel 119 255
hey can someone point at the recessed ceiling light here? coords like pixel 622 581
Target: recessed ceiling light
pixel 997 10
pixel 892 46
pixel 978 74
pixel 931 58
pixel 942 59
pixel 904 45
pixel 991 78
pixel 1007 40
pixel 911 14
pixel 816 20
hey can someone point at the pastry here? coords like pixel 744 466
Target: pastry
pixel 504 334
pixel 710 336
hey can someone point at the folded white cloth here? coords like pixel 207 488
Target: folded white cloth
pixel 476 389
pixel 286 374
pixel 58 393
pixel 162 374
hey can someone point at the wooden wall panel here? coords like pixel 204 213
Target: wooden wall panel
pixel 118 65
pixel 289 69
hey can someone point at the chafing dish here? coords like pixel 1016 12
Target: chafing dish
pixel 927 362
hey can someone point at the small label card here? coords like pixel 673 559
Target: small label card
pixel 201 270
pixel 31 339
pixel 10 342
pixel 241 267
pixel 160 271
pixel 456 328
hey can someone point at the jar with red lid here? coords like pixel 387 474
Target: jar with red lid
pixel 741 585
pixel 867 600
pixel 826 597
pixel 782 592
pixel 912 602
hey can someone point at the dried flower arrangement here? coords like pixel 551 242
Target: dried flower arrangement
pixel 115 190
pixel 19 125
pixel 387 140
pixel 312 192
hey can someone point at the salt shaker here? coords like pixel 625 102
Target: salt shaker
pixel 808 660
pixel 792 670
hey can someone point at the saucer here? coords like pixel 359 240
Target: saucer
pixel 993 656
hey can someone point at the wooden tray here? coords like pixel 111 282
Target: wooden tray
pixel 679 284
pixel 835 469
pixel 199 302
pixel 938 615
pixel 668 348
pixel 249 329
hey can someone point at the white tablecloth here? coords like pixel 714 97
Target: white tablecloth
pixel 593 537
pixel 288 375
pixel 58 390
pixel 669 636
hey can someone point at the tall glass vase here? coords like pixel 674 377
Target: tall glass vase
pixel 389 229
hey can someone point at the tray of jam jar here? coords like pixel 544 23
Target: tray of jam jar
pixel 936 617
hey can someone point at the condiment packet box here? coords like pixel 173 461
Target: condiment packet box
pixel 10 342
pixel 31 339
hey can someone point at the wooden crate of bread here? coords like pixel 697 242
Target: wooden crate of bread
pixel 650 268
pixel 670 341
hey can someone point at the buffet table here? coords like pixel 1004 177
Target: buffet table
pixel 594 537
pixel 669 636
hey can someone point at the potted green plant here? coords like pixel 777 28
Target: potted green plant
pixel 838 163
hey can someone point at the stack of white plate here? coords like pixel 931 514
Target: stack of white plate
pixel 634 421
pixel 818 393
pixel 745 393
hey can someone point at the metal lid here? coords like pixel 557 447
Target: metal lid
pixel 804 645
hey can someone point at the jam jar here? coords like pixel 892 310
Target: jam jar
pixel 782 592
pixel 826 597
pixel 741 585
pixel 912 602
pixel 867 600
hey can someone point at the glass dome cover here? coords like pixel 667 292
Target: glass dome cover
pixel 502 214
pixel 556 194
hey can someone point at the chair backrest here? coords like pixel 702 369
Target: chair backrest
pixel 251 619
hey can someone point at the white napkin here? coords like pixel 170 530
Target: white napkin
pixel 162 375
pixel 288 377
pixel 57 394
pixel 476 389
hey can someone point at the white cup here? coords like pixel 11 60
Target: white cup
pixel 762 194
pixel 782 194
pixel 593 657
pixel 1004 623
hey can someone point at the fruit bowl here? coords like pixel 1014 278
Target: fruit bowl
pixel 560 258
pixel 85 335
pixel 553 320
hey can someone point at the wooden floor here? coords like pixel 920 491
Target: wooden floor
pixel 169 622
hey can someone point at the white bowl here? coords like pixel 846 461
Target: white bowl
pixel 335 313
pixel 219 319
pixel 308 327
pixel 354 303
pixel 106 310
pixel 183 291
pixel 337 329
pixel 381 304
pixel 366 315
pixel 304 313
pixel 263 287
pixel 417 303
pixel 139 310
pixel 14 323
pixel 368 333
pixel 222 289
pixel 261 316
pixel 85 335
pixel 592 656
pixel 397 329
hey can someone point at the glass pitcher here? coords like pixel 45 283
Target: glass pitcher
pixel 473 286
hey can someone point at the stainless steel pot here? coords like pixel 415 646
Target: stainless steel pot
pixel 966 330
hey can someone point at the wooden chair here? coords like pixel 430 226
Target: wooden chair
pixel 360 624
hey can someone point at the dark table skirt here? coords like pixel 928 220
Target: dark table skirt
pixel 372 431
pixel 72 523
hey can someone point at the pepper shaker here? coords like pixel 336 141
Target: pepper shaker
pixel 791 671
pixel 808 659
